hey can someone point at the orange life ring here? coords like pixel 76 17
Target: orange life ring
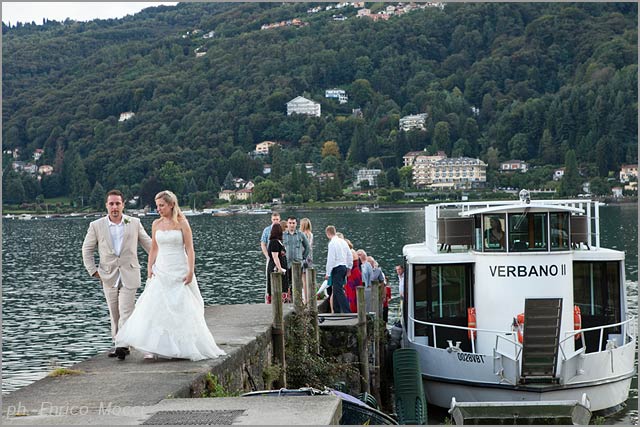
pixel 577 321
pixel 471 322
pixel 520 327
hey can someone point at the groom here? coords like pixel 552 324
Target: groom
pixel 117 237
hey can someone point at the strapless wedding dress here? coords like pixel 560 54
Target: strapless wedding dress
pixel 168 318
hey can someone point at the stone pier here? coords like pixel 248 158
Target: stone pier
pixel 134 391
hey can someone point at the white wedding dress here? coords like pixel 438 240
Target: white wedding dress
pixel 168 319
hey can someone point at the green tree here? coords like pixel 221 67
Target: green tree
pixel 406 176
pixel 228 184
pixel 441 137
pixel 571 184
pixel 266 191
pixel 13 191
pixel 547 150
pixel 518 146
pixel 396 195
pixel 78 181
pixel 171 178
pixel 96 199
pixel 393 177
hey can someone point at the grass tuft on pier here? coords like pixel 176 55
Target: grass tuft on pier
pixel 61 372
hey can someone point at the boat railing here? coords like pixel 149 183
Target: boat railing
pixel 629 328
pixel 475 331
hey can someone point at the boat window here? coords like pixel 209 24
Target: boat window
pixel 494 233
pixel 442 294
pixel 596 290
pixel 559 231
pixel 440 291
pixel 528 232
pixel 448 291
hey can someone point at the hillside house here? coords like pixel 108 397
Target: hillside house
pixel 415 121
pixel 627 172
pixel 369 175
pixel 338 94
pixel 126 116
pixel 38 152
pixel 262 149
pixel 514 165
pixel 302 105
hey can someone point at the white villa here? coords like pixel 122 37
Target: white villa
pixel 415 121
pixel 302 105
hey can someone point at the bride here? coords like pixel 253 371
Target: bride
pixel 168 319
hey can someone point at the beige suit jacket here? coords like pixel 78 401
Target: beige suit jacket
pixel 111 266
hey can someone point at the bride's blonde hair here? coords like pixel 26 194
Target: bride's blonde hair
pixel 170 198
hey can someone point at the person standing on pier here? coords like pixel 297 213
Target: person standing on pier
pixel 277 263
pixel 306 229
pixel 400 273
pixel 337 267
pixel 296 245
pixel 264 242
pixel 117 237
pixel 169 320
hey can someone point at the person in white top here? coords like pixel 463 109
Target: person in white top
pixel 400 273
pixel 338 266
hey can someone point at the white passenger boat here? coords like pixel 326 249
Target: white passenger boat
pixel 516 301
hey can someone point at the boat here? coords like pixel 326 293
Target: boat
pixel 364 209
pixel 9 216
pixel 258 212
pixel 221 212
pixel 190 212
pixel 354 410
pixel 25 216
pixel 193 211
pixel 516 301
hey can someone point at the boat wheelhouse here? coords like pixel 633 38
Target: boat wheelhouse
pixel 516 301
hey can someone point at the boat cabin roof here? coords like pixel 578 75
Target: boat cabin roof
pixel 525 226
pixel 531 207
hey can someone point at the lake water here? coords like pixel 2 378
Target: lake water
pixel 54 314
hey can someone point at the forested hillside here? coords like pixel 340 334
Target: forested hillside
pixel 545 78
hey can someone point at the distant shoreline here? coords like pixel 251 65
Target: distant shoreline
pixel 329 207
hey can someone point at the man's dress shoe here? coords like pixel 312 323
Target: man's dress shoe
pixel 112 352
pixel 121 352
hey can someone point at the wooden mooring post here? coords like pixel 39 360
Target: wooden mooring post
pixel 312 305
pixel 277 329
pixel 363 342
pixel 377 332
pixel 296 279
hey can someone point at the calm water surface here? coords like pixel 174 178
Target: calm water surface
pixel 54 314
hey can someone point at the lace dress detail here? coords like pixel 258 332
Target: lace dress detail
pixel 168 319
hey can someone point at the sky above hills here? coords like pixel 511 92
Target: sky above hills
pixel 13 12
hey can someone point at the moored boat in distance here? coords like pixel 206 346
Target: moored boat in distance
pixel 25 217
pixel 516 301
pixel 221 212
pixel 190 212
pixel 258 212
